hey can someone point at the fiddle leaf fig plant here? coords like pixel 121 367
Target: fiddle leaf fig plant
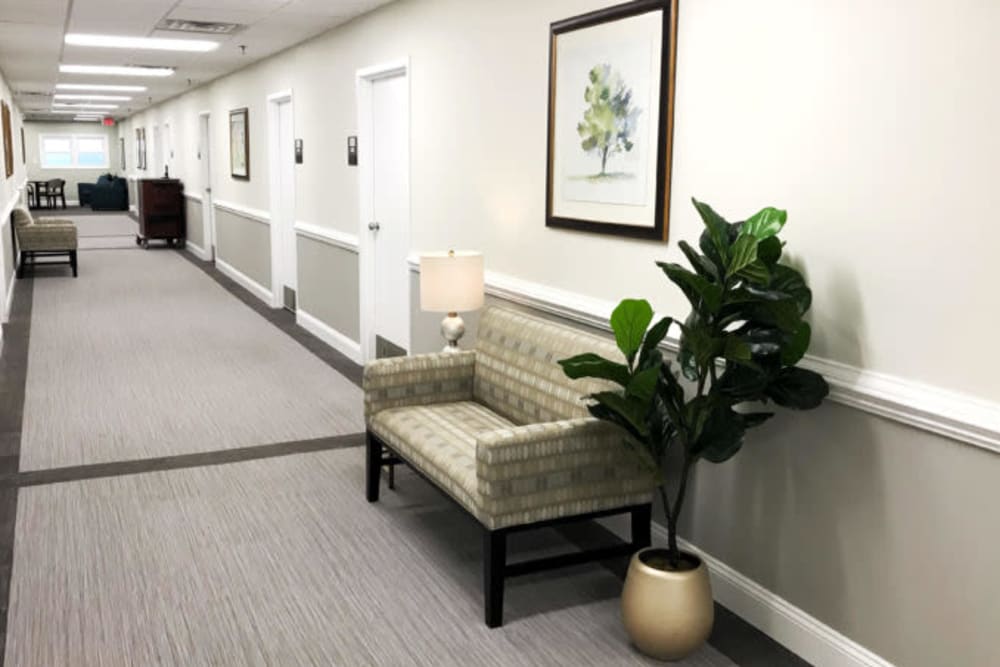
pixel 737 350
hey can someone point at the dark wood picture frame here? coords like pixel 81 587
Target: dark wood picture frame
pixel 244 115
pixel 664 114
pixel 24 150
pixel 121 151
pixel 8 142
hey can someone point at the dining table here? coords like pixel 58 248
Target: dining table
pixel 36 188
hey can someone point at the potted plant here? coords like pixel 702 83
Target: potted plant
pixel 738 350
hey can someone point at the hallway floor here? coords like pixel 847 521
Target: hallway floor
pixel 182 484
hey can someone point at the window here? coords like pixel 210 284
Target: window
pixel 74 151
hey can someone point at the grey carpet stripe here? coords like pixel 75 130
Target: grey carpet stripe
pixel 144 356
pixel 218 457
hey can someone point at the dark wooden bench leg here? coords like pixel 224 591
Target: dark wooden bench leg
pixel 72 261
pixel 373 466
pixel 642 517
pixel 494 564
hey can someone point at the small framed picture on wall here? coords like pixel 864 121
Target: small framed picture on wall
pixel 239 143
pixel 121 151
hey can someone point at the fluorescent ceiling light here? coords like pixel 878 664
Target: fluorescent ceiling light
pixel 83 105
pixel 109 88
pixel 110 98
pixel 151 43
pixel 116 70
pixel 88 119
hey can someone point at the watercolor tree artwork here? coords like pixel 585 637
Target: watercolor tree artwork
pixel 610 118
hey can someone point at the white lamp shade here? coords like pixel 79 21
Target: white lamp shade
pixel 451 282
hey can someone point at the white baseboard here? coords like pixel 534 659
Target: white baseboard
pixel 246 281
pixel 9 303
pixel 338 341
pixel 132 208
pixel 197 251
pixel 790 626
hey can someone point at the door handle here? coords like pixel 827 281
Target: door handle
pixel 374 226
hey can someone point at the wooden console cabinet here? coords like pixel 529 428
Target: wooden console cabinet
pixel 161 211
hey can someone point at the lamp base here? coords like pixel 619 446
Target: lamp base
pixel 452 328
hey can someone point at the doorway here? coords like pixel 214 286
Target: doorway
pixel 205 158
pixel 384 160
pixel 284 258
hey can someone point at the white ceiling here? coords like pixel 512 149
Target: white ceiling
pixel 31 42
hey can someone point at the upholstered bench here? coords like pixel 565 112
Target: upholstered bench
pixel 44 237
pixel 504 433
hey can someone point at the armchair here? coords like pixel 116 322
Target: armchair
pixel 44 237
pixel 109 194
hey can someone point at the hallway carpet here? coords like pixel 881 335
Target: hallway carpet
pixel 282 562
pixel 105 230
pixel 144 355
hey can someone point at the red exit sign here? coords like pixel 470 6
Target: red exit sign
pixel 109 121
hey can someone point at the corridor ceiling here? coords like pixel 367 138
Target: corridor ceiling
pixel 32 42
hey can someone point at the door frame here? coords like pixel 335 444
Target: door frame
pixel 277 260
pixel 365 79
pixel 207 211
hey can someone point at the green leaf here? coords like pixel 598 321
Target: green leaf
pixel 788 280
pixel 742 254
pixel 769 250
pixel 717 228
pixel 632 410
pixel 605 413
pixel 700 263
pixel 697 338
pixel 703 295
pixel 742 383
pixel 756 272
pixel 798 388
pixel 651 342
pixel 736 349
pixel 796 344
pixel 643 384
pixel 783 314
pixel 751 419
pixel 721 436
pixel 629 321
pixel 765 223
pixel 590 365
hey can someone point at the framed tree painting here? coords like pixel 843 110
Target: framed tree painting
pixel 239 144
pixel 611 98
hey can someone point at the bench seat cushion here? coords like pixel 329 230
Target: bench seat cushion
pixel 440 439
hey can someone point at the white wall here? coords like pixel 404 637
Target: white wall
pixel 873 123
pixel 11 191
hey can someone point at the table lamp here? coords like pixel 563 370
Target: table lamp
pixel 451 282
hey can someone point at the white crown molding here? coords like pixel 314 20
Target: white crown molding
pixel 192 195
pixel 258 290
pixel 964 418
pixel 792 627
pixel 327 235
pixel 255 214
pixel 338 341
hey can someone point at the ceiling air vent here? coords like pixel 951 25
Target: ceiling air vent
pixel 32 93
pixel 206 27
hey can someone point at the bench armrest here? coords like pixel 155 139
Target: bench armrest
pixel 47 237
pixel 569 452
pixel 54 221
pixel 422 379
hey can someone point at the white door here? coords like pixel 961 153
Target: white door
pixel 207 211
pixel 283 208
pixel 390 225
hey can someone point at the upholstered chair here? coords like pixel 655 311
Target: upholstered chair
pixel 44 237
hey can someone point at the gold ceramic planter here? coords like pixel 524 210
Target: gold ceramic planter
pixel 668 615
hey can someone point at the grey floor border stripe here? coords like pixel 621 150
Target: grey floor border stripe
pixel 280 318
pixel 178 461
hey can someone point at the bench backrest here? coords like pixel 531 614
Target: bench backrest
pixel 517 374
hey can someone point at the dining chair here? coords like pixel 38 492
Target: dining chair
pixel 56 192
